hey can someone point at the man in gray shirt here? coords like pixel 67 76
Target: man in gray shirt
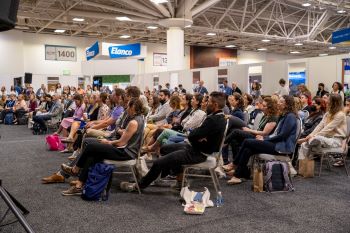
pixel 164 109
pixel 54 111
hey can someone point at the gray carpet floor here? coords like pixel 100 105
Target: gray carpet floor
pixel 318 204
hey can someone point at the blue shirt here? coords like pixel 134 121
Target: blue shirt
pixel 201 90
pixel 10 103
pixel 227 90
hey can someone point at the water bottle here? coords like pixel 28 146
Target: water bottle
pixel 219 199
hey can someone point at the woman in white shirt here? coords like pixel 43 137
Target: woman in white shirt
pixel 337 88
pixel 59 89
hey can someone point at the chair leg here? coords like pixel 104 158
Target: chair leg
pixel 321 163
pixel 212 173
pixel 133 171
pixel 345 166
pixel 184 178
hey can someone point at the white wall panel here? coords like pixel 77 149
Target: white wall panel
pixel 272 72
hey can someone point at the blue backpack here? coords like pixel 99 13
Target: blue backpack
pixel 8 119
pixel 98 183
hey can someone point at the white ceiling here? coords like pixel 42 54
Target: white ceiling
pixel 243 23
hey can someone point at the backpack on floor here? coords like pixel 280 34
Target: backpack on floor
pixel 53 143
pixel 8 119
pixel 98 183
pixel 277 177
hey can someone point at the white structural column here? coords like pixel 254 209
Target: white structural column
pixel 175 48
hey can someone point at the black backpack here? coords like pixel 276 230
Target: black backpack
pixel 37 130
pixel 277 177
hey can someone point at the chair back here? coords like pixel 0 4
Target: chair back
pixel 246 117
pixel 142 136
pixel 218 154
pixel 257 120
pixel 348 126
pixel 306 114
pixel 298 133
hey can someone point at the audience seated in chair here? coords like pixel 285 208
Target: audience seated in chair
pixel 266 126
pixel 125 148
pixel 281 142
pixel 202 142
pixel 54 111
pixel 329 133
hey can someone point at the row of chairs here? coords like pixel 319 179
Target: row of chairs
pixel 213 161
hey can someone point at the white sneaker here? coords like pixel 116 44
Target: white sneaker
pixel 292 170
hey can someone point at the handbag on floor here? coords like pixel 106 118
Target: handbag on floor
pixel 306 168
pixel 53 143
pixel 258 180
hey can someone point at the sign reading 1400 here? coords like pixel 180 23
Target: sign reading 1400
pixel 60 53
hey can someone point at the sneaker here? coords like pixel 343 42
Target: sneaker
pixel 55 178
pixel 72 191
pixel 128 187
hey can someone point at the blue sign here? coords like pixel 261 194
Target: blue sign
pixel 92 51
pixel 341 36
pixel 128 50
pixel 297 78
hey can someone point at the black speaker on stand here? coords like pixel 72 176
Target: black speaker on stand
pixel 8 14
pixel 28 78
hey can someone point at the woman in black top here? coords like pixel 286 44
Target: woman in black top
pixel 266 126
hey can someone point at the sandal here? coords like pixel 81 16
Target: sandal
pixel 338 164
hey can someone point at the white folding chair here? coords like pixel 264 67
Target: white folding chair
pixel 329 153
pixel 210 164
pixel 131 164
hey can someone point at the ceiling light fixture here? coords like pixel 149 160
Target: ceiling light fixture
pixel 59 30
pixel 294 52
pixel 211 34
pixel 21 27
pixel 298 44
pixel 188 26
pixel 323 54
pixel 159 1
pixel 230 46
pixel 123 18
pixel 265 40
pixel 152 27
pixel 78 19
pixel 332 47
pixel 341 11
pixel 306 4
pixel 124 36
pixel 262 49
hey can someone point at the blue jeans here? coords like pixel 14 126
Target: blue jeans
pixel 176 139
pixel 41 120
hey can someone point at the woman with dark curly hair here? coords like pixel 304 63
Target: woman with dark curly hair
pixel 237 103
pixel 266 125
pixel 281 142
pixel 337 88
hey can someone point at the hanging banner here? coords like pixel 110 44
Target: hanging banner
pixel 121 51
pixel 341 36
pixel 92 51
